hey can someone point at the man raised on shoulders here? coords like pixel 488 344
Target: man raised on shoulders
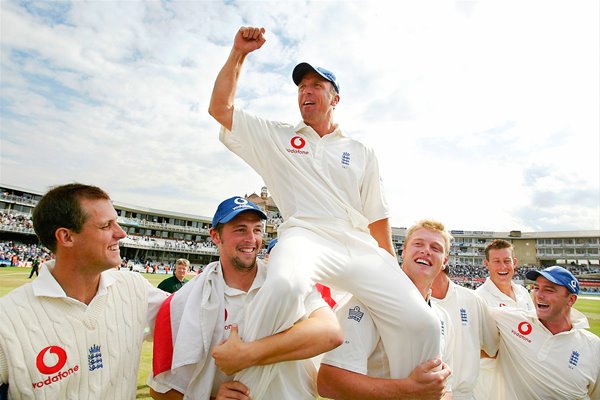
pixel 336 220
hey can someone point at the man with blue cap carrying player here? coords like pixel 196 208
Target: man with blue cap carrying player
pixel 193 323
pixel 547 354
pixel 336 230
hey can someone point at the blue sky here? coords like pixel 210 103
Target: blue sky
pixel 484 114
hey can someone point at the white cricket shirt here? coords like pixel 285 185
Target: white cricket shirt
pixel 312 179
pixel 490 293
pixel 535 364
pixel 473 330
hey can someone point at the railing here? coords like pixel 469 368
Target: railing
pixel 18 199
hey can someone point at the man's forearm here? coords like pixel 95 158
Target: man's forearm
pixel 426 382
pixel 223 95
pixel 338 383
pixel 382 233
pixel 308 338
pixel 170 395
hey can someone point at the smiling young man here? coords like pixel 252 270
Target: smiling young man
pixel 359 368
pixel 336 220
pixel 547 354
pixel 77 330
pixel 499 290
pixel 201 320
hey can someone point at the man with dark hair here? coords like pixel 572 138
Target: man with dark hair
pixel 208 309
pixel 77 330
pixel 547 353
pixel 61 207
pixel 499 290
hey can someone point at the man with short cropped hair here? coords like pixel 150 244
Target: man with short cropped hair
pixel 201 320
pixel 499 290
pixel 547 354
pixel 77 330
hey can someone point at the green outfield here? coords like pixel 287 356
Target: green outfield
pixel 13 277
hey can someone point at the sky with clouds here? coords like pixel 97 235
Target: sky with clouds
pixel 484 114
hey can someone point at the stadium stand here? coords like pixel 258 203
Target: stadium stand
pixel 156 238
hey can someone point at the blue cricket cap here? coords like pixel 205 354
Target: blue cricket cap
pixel 557 275
pixel 303 68
pixel 230 208
pixel 272 244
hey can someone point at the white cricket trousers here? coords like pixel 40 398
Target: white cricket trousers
pixel 350 260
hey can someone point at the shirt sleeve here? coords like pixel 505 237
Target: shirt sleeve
pixel 3 367
pixel 594 390
pixel 489 335
pixel 313 301
pixel 360 339
pixel 155 298
pixel 251 139
pixel 372 193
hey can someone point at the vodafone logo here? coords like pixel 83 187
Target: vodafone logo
pixel 240 201
pixel 297 142
pixel 226 315
pixel 525 328
pixel 49 365
pixel 50 361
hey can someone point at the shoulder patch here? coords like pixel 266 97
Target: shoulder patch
pixel 355 314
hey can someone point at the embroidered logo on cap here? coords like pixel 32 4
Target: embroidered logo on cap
pixel 574 285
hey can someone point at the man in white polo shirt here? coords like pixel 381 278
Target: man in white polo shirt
pixel 547 354
pixel 473 330
pixel 76 332
pixel 500 291
pixel 359 368
pixel 209 309
pixel 336 230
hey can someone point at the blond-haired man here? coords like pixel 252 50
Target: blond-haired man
pixel 359 368
pixel 175 282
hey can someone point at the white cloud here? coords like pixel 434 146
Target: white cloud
pixel 483 114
